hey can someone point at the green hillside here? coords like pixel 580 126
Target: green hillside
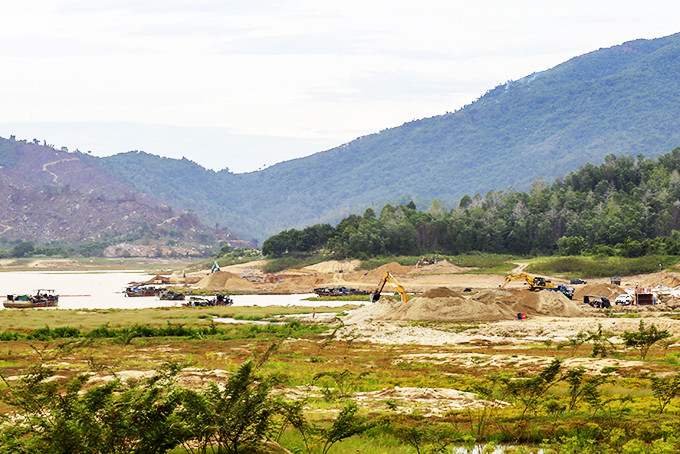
pixel 624 207
pixel 624 100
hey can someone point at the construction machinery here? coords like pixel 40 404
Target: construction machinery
pixel 597 301
pixel 387 277
pixel 540 283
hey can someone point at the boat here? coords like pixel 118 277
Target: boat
pixel 171 295
pixel 41 298
pixel 339 291
pixel 140 290
pixel 201 301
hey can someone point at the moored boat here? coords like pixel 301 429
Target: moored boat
pixel 41 298
pixel 140 290
pixel 200 301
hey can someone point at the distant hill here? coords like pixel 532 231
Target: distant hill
pixel 53 197
pixel 623 100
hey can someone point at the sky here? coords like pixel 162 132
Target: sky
pixel 245 84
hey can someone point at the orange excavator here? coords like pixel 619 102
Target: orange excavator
pixel 387 277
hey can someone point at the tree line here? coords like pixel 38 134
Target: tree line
pixel 627 206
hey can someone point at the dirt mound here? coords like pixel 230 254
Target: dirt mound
pixel 441 292
pixel 441 267
pixel 393 268
pixel 335 266
pixel 546 302
pixel 445 305
pixel 224 280
pixel 611 291
pixel 653 279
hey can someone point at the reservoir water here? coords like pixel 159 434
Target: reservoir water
pixel 104 290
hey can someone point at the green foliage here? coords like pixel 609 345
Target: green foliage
pixel 597 266
pixel 125 335
pixel 583 386
pixel 116 417
pixel 665 389
pixel 345 383
pixel 600 339
pixel 347 424
pixel 530 391
pixel 594 211
pixel 232 419
pixel 644 338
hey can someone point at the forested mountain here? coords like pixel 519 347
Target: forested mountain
pixel 625 206
pixel 623 100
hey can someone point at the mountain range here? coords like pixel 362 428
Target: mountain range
pixel 623 100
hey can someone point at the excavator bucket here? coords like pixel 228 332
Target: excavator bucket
pixel 375 297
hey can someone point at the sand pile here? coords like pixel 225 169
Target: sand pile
pixel 392 267
pixel 335 266
pixel 441 292
pixel 547 302
pixel 298 284
pixel 653 279
pixel 445 305
pixel 441 267
pixel 609 290
pixel 224 280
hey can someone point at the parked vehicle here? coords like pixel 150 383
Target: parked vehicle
pixel 624 299
pixel 578 281
pixel 600 302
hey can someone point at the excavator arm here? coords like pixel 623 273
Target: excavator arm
pixel 535 283
pixel 514 277
pixel 387 277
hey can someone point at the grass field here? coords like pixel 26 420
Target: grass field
pixel 611 410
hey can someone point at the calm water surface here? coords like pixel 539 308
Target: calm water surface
pixel 104 290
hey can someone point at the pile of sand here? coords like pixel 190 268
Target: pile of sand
pixel 441 267
pixel 653 279
pixel 446 305
pixel 611 291
pixel 224 280
pixel 547 302
pixel 335 266
pixel 441 292
pixel 394 268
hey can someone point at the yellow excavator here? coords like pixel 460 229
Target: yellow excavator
pixel 540 283
pixel 387 277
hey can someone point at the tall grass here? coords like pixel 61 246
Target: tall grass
pixel 484 263
pixel 583 266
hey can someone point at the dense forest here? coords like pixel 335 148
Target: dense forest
pixel 628 206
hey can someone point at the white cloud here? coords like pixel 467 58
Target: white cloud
pixel 302 70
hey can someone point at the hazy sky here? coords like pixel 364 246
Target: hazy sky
pixel 242 84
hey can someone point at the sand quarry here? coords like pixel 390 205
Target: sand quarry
pixel 450 314
pixel 444 293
